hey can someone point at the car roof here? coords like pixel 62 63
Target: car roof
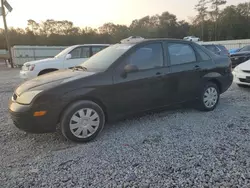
pixel 154 39
pixel 79 45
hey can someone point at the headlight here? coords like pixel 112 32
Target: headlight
pixel 28 67
pixel 27 97
pixel 31 67
pixel 236 69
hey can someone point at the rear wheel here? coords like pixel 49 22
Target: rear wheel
pixel 209 97
pixel 82 121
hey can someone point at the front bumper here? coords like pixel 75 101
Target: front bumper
pixel 240 78
pixel 26 75
pixel 22 116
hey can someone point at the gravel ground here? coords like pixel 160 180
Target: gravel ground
pixel 178 148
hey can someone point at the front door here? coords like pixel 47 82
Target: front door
pixel 140 90
pixel 78 56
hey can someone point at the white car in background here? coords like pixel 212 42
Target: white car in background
pixel 132 39
pixel 68 58
pixel 192 38
pixel 242 74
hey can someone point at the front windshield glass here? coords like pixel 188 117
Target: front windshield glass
pixel 102 60
pixel 62 53
pixel 246 48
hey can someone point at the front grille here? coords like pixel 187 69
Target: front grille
pixel 244 80
pixel 246 71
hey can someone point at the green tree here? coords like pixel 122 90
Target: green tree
pixel 201 8
pixel 215 5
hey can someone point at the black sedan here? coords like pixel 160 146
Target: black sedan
pixel 241 56
pixel 122 80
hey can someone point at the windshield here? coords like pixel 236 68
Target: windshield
pixel 62 53
pixel 246 48
pixel 102 60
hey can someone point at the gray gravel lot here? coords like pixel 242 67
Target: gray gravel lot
pixel 177 148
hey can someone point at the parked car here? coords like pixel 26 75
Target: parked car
pixel 132 38
pixel 217 49
pixel 121 80
pixel 242 74
pixel 241 56
pixel 192 38
pixel 68 58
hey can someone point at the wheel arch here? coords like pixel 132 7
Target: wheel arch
pixel 86 98
pixel 217 82
pixel 214 78
pixel 47 70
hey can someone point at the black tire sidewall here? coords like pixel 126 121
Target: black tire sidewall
pixel 73 108
pixel 201 101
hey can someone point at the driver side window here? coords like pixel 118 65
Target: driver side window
pixel 76 53
pixel 147 57
pixel 80 52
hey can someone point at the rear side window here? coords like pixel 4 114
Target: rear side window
pixel 212 48
pixel 181 53
pixel 202 54
pixel 223 48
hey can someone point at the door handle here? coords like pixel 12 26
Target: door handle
pixel 197 68
pixel 158 73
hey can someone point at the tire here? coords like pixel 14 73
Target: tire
pixel 90 119
pixel 210 92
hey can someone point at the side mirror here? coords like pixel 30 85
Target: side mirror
pixel 129 69
pixel 68 56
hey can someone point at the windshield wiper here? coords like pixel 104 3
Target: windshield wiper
pixel 79 67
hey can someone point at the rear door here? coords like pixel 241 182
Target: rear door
pixel 78 56
pixel 185 70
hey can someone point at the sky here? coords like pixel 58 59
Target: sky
pixel 94 13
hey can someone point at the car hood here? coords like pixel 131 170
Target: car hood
pixel 41 61
pixel 51 80
pixel 245 65
pixel 240 53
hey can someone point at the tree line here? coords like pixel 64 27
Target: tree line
pixel 211 23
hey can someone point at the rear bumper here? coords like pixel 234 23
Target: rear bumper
pixel 226 82
pixel 22 116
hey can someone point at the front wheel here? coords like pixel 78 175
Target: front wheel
pixel 209 97
pixel 82 121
